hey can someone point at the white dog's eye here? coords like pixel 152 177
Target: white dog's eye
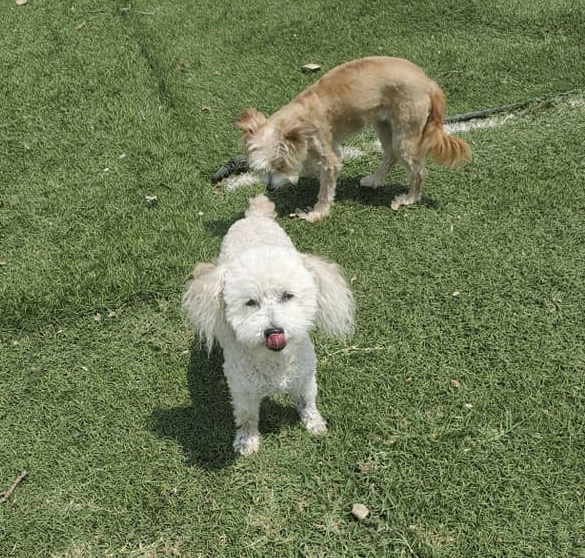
pixel 286 296
pixel 252 302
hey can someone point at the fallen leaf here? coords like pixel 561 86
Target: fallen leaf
pixel 97 317
pixel 456 383
pixel 310 67
pixel 150 200
pixel 21 2
pixel 359 511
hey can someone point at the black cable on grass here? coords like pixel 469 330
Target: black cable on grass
pixel 479 114
pixel 239 164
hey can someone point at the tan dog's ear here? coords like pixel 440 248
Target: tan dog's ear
pixel 295 130
pixel 335 299
pixel 203 301
pixel 249 121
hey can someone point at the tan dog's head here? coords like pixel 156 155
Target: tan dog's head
pixel 275 148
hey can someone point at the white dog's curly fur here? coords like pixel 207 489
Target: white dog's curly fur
pixel 259 302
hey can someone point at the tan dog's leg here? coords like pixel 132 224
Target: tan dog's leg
pixel 330 167
pixel 384 132
pixel 415 164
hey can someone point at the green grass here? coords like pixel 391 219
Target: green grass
pixel 124 424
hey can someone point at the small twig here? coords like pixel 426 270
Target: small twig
pixel 5 495
pixel 145 13
pixel 351 349
pixel 448 73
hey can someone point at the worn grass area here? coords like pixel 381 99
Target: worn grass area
pixel 456 409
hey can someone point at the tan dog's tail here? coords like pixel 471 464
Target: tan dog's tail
pixel 261 206
pixel 444 149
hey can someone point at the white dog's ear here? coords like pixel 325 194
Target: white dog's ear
pixel 335 299
pixel 203 302
pixel 249 121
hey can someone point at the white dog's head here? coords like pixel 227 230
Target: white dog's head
pixel 275 151
pixel 269 297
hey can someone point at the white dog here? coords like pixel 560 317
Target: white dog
pixel 259 302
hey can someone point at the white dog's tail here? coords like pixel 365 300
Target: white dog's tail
pixel 261 206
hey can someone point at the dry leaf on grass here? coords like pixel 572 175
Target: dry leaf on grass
pixel 310 67
pixel 21 2
pixel 360 512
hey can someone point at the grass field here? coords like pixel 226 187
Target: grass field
pixel 456 410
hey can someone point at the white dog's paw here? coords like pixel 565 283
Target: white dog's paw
pixel 315 423
pixel 371 181
pixel 403 199
pixel 246 443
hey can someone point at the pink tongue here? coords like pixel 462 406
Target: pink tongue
pixel 275 341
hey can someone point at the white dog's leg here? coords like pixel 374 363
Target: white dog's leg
pixel 246 414
pixel 305 398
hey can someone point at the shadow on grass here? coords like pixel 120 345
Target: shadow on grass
pixel 288 197
pixel 206 428
pixel 219 227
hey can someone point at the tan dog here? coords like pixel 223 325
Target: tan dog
pixel 405 107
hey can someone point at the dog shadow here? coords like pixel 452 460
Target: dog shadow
pixel 289 198
pixel 205 429
pixel 219 227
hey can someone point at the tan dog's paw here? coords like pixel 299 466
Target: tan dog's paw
pixel 371 181
pixel 403 199
pixel 311 215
